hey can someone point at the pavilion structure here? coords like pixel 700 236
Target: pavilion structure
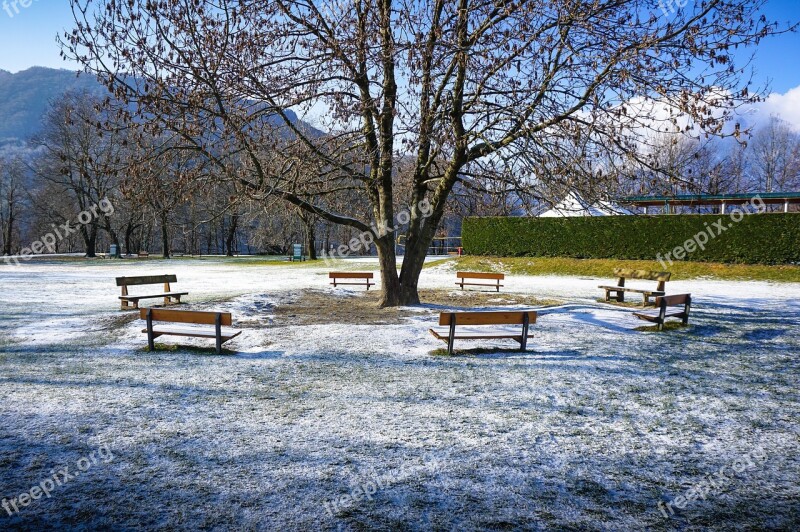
pixel 667 204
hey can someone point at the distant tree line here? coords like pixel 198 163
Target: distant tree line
pixel 168 202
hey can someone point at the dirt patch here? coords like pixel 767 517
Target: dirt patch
pixel 457 299
pixel 316 307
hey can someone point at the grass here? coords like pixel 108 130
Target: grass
pixel 603 268
pixel 598 268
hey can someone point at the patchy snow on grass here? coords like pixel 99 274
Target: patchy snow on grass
pixel 352 425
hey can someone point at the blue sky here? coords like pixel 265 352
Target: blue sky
pixel 28 39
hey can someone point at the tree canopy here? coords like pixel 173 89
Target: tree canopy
pixel 513 91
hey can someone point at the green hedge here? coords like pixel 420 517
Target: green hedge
pixel 756 239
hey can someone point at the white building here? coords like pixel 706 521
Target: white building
pixel 575 205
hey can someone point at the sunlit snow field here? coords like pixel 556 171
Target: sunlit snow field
pixel 353 425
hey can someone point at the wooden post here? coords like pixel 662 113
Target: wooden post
pixel 451 338
pixel 123 302
pixel 150 343
pixel 525 324
pixel 218 326
pixel 686 307
pixel 662 313
pixel 621 293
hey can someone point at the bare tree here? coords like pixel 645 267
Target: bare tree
pixel 77 156
pixel 449 84
pixel 12 173
pixel 774 152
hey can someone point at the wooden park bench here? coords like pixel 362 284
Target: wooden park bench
pixel 132 302
pixel 620 289
pixel 496 277
pixel 188 320
pixel 473 327
pixel 357 278
pixel 143 254
pixel 663 305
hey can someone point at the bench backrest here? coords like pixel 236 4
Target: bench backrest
pixel 674 301
pixel 186 316
pixel 350 275
pixel 480 275
pixel 146 279
pixel 647 275
pixel 487 318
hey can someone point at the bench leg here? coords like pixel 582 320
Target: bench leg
pixel 150 345
pixel 218 327
pixel 452 338
pixel 620 296
pixel 523 343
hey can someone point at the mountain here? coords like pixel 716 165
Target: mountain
pixel 24 98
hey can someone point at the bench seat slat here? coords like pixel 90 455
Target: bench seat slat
pixel 470 333
pixel 154 296
pixel 480 275
pixel 637 290
pixel 199 332
pixel 649 316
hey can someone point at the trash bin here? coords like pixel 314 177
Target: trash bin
pixel 113 250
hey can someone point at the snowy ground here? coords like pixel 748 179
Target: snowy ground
pixel 357 426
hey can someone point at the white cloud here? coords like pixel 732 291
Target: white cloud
pixel 784 106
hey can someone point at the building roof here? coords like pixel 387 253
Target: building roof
pixel 575 205
pixel 694 200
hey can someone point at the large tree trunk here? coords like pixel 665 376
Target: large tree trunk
pixel 165 236
pixel 390 281
pixel 413 261
pixel 89 235
pixel 231 239
pixel 311 237
pixel 129 229
pixel 8 233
